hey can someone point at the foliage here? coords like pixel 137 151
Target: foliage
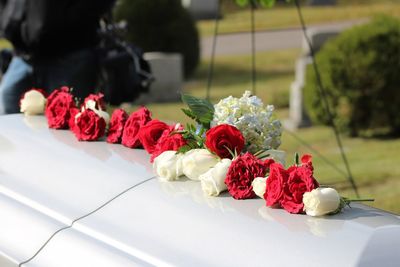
pixel 360 73
pixel 161 25
pixel 201 110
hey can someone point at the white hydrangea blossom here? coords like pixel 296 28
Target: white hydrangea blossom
pixel 260 130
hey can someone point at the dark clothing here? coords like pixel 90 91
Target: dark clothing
pixel 51 28
pixel 55 43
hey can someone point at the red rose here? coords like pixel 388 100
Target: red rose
pixel 224 139
pixel 306 160
pixel 241 174
pixel 276 181
pixel 98 98
pixel 71 122
pixel 300 180
pixel 130 135
pixel 168 141
pixel 59 102
pixel 89 126
pixel 151 133
pixel 117 123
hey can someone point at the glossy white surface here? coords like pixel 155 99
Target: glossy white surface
pixel 23 231
pixel 174 224
pixel 71 248
pixel 48 179
pixel 52 172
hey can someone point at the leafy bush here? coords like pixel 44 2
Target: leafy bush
pixel 360 70
pixel 161 25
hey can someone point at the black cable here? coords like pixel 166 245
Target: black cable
pixel 309 147
pixel 325 100
pixel 253 6
pixel 213 48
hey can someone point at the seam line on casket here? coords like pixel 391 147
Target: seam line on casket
pixel 82 217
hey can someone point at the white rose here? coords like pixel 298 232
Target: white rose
pixel 166 165
pixel 259 185
pixel 91 104
pixel 321 201
pixel 33 103
pixel 196 162
pixel 213 181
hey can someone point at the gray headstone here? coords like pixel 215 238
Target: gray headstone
pixel 202 9
pixel 318 38
pixel 297 114
pixel 168 73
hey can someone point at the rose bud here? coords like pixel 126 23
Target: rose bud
pixel 138 119
pixel 259 185
pixel 117 124
pixel 150 133
pixel 169 141
pixel 91 104
pixel 89 126
pixel 33 102
pixel 98 99
pixel 58 106
pixel 224 139
pixel 166 165
pixel 321 201
pixel 212 182
pixel 196 162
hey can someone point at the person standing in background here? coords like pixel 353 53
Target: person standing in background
pixel 54 45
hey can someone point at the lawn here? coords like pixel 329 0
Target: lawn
pixel 374 162
pixel 285 16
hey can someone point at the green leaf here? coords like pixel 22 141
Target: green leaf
pixel 189 113
pixel 267 3
pixel 201 109
pixel 242 3
pixel 296 159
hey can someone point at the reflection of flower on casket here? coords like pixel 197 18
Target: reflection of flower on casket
pixel 232 147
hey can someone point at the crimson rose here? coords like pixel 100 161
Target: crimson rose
pixel 168 141
pixel 276 181
pixel 241 174
pixel 98 98
pixel 300 180
pixel 151 133
pixel 130 135
pixel 306 160
pixel 89 126
pixel 117 123
pixel 59 102
pixel 71 122
pixel 224 139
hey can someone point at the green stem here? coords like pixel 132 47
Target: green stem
pixel 360 199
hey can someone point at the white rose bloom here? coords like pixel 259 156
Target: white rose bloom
pixel 259 184
pixel 321 201
pixel 166 165
pixel 213 181
pixel 196 162
pixel 33 103
pixel 91 104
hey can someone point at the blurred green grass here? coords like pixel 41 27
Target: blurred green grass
pixel 285 16
pixel 374 162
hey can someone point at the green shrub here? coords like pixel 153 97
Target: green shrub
pixel 360 70
pixel 161 25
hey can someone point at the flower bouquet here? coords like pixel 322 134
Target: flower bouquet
pixel 232 146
